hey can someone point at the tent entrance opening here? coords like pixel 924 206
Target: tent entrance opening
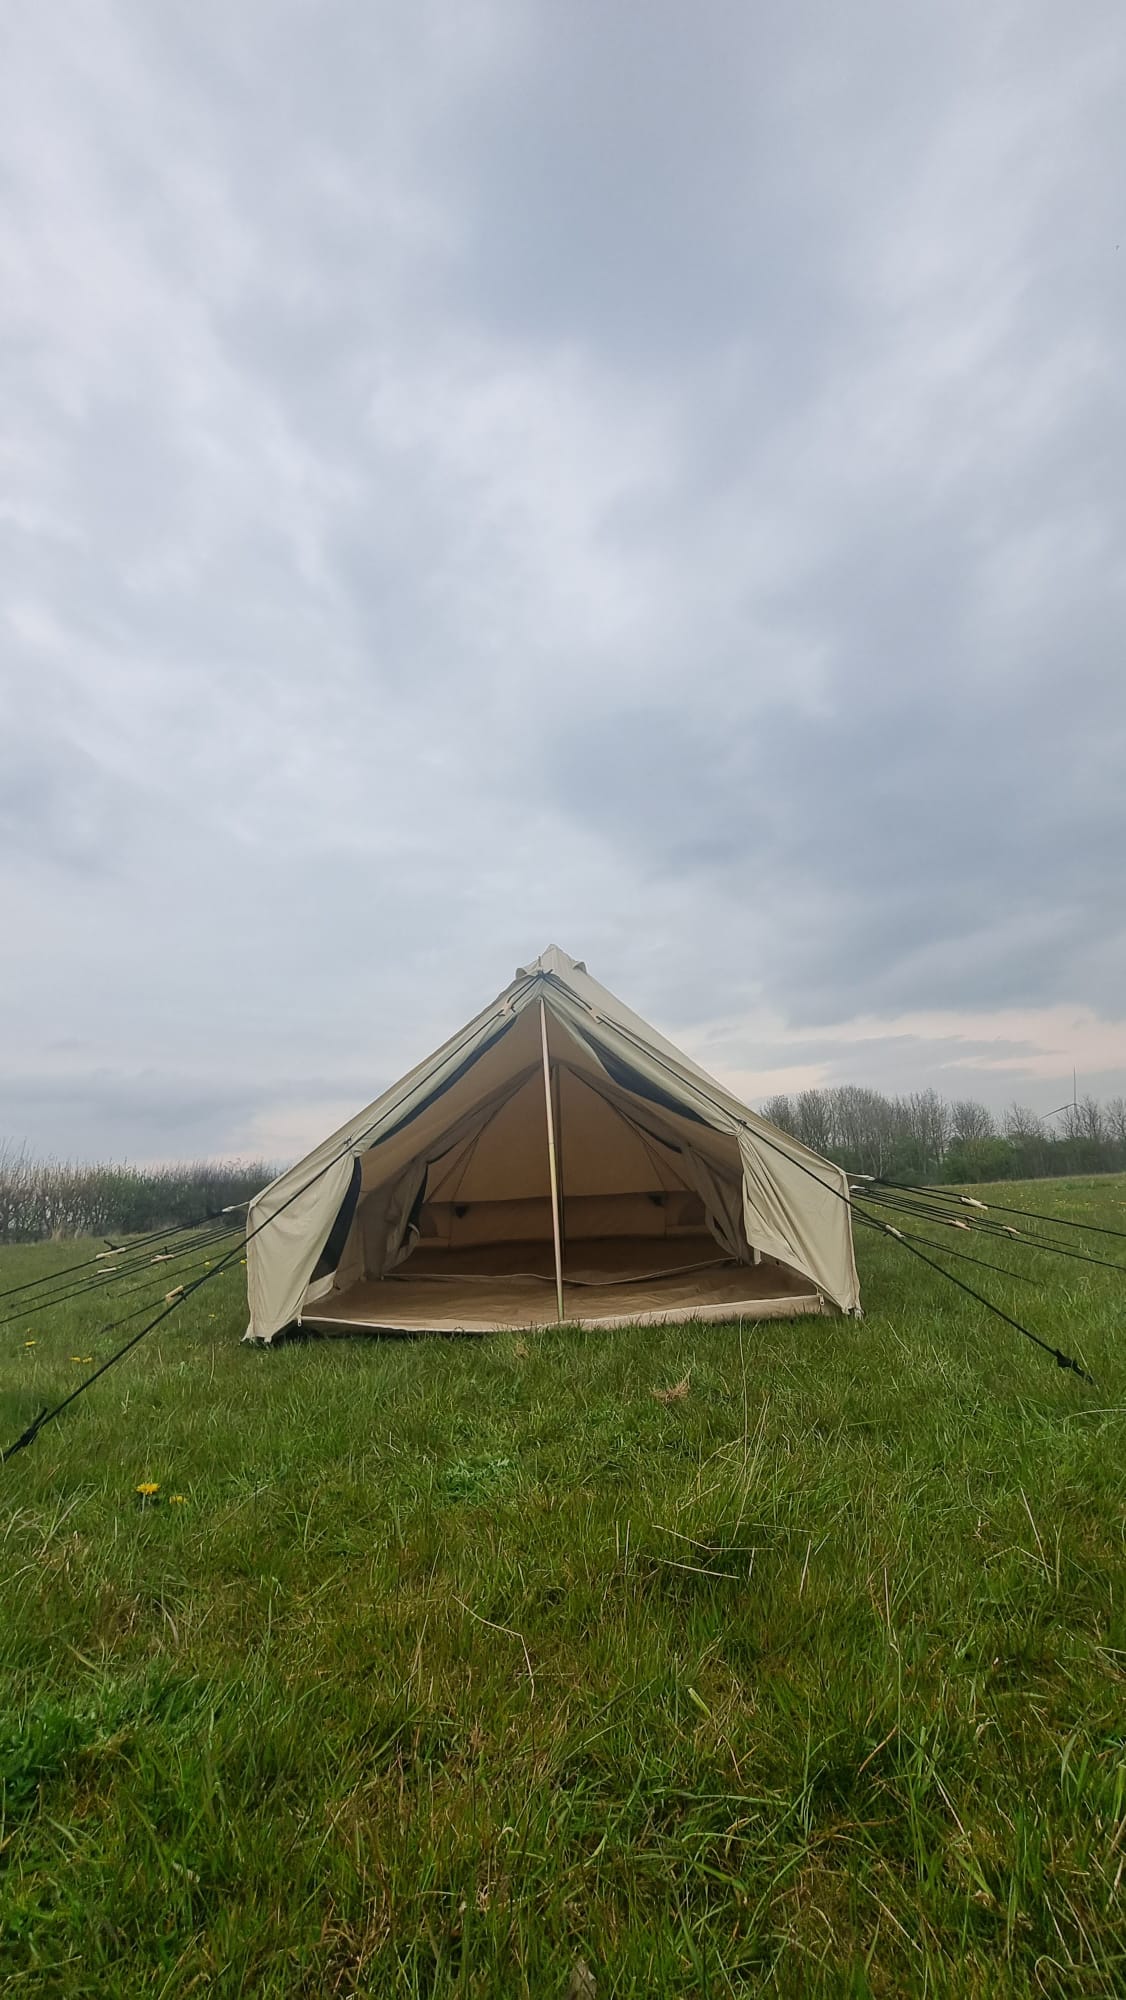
pixel 491 1229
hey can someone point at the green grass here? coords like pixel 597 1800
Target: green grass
pixel 464 1661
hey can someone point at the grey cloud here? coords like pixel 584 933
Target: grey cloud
pixel 663 193
pixel 148 1116
pixel 56 805
pixel 565 473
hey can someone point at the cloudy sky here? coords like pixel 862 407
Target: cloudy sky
pixel 651 478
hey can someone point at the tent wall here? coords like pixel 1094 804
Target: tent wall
pixel 589 1217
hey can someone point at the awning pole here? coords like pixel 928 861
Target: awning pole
pixel 551 1162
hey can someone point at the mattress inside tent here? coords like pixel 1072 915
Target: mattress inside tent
pixel 636 1243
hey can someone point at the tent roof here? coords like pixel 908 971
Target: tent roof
pixel 606 1005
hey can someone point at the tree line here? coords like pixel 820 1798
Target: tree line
pixel 923 1137
pixel 919 1137
pixel 44 1198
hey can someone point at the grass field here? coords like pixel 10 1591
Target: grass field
pixel 472 1668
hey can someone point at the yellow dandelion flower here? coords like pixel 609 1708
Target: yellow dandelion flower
pixel 31 1343
pixel 147 1488
pixel 177 1499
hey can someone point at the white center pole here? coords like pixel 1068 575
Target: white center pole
pixel 551 1162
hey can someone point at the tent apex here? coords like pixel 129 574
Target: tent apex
pixel 551 960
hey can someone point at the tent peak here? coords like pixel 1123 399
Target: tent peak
pixel 551 960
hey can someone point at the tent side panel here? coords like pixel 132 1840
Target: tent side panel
pixel 281 1260
pixel 802 1216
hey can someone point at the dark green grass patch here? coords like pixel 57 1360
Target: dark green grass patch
pixel 458 1664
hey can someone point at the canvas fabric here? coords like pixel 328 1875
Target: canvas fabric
pixel 456 1153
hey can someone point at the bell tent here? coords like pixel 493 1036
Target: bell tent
pixel 556 1160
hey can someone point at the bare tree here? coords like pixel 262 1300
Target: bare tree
pixel 780 1111
pixel 1021 1123
pixel 1090 1120
pixel 814 1122
pixel 928 1121
pixel 970 1120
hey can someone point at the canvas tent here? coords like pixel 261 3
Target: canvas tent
pixel 557 1159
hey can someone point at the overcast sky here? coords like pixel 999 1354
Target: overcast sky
pixel 649 478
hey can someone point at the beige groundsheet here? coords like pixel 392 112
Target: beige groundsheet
pixel 616 1283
